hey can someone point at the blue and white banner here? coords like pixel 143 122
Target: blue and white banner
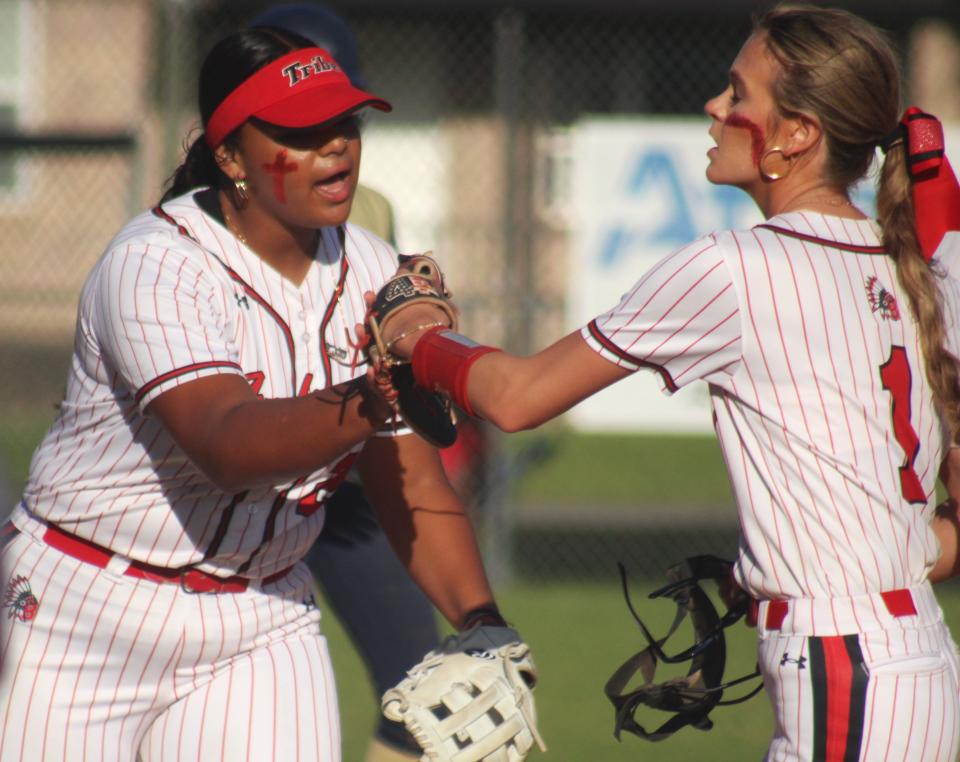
pixel 639 191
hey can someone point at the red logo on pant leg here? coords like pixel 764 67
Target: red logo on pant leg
pixel 21 601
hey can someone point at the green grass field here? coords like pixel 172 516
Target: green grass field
pixel 579 634
pixel 20 433
pixel 621 469
pixel 579 628
pixel 581 631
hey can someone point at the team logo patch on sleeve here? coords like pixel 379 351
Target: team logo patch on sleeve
pixel 881 300
pixel 21 601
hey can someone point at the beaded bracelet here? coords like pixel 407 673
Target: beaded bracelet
pixel 422 326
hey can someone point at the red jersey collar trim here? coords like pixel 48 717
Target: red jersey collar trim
pixel 785 226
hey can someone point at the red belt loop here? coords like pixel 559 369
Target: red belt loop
pixel 196 581
pixel 899 602
pixel 191 580
pixel 753 612
pixel 776 613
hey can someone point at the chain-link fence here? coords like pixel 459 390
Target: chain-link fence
pixel 98 97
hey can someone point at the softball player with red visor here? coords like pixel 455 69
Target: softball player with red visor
pixel 157 608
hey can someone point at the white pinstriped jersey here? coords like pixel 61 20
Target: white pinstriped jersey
pixel 176 297
pixel 819 396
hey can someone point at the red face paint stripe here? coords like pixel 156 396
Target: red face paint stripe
pixel 757 141
pixel 148 387
pixel 824 241
pixel 610 346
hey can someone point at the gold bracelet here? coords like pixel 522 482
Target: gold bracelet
pixel 413 330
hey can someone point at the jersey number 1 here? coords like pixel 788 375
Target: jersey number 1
pixel 896 379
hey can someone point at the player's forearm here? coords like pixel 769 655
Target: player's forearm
pixel 447 565
pixel 435 541
pixel 239 441
pixel 946 526
pixel 516 393
pixel 274 441
pixel 505 390
pixel 946 519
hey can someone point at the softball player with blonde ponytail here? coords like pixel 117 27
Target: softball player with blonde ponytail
pixel 829 343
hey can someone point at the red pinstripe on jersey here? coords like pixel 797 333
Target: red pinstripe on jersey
pixel 174 298
pixel 791 324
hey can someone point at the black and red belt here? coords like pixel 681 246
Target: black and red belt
pixel 898 603
pixel 192 580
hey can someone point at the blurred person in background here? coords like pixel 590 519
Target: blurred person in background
pixel 829 344
pixel 155 606
pixel 388 618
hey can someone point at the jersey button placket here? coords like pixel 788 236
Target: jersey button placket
pixel 309 323
pixel 306 320
pixel 309 356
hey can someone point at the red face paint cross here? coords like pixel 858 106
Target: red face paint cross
pixel 278 169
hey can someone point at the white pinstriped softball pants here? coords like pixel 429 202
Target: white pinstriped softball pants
pixel 107 667
pixel 888 692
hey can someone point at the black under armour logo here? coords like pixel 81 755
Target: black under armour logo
pixel 800 661
pixel 241 300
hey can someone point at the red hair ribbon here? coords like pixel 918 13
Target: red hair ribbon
pixel 936 194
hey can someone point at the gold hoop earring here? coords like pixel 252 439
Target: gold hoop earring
pixel 773 176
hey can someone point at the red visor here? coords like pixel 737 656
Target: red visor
pixel 302 89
